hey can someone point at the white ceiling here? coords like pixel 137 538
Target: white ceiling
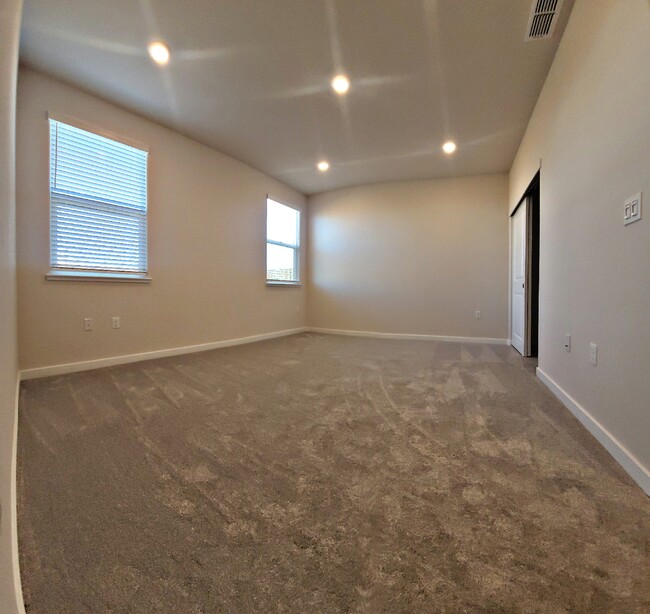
pixel 251 78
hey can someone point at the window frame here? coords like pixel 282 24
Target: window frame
pixel 296 248
pixel 95 275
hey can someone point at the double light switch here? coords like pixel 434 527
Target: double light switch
pixel 632 209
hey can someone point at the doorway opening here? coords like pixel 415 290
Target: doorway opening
pixel 524 286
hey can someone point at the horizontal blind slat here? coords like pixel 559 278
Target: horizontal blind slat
pixel 74 199
pixel 98 161
pixel 126 164
pixel 92 180
pixel 72 203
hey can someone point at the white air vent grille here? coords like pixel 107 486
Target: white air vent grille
pixel 543 17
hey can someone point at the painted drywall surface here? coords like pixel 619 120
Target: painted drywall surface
pixel 207 251
pixel 411 257
pixel 10 594
pixel 591 129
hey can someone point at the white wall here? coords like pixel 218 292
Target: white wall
pixel 412 257
pixel 10 592
pixel 591 129
pixel 207 225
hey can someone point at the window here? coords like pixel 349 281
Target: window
pixel 282 243
pixel 98 205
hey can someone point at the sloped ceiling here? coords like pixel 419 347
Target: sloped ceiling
pixel 251 78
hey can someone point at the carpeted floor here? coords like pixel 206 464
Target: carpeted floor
pixel 322 474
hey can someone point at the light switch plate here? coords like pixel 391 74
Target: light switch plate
pixel 632 209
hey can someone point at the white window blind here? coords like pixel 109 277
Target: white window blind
pixel 282 243
pixel 98 203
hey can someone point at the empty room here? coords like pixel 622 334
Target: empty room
pixel 324 306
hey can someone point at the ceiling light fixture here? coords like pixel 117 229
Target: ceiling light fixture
pixel 341 84
pixel 323 165
pixel 159 52
pixel 449 147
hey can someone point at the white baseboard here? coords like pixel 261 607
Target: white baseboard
pixel 111 361
pixel 365 333
pixel 88 365
pixel 623 456
pixel 13 511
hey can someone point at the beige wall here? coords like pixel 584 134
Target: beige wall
pixel 207 216
pixel 10 598
pixel 417 257
pixel 591 129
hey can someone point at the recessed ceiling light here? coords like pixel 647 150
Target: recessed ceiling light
pixel 449 147
pixel 159 52
pixel 323 165
pixel 341 84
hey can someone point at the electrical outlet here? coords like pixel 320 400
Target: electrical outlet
pixel 88 324
pixel 593 354
pixel 477 314
pixel 115 321
pixel 567 343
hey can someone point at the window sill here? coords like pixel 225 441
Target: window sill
pixel 133 278
pixel 283 284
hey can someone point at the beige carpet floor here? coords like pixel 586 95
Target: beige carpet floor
pixel 318 474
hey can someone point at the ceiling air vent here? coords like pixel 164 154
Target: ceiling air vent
pixel 543 17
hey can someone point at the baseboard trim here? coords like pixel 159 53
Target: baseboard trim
pixel 111 361
pixel 13 509
pixel 413 336
pixel 621 454
pixel 88 365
